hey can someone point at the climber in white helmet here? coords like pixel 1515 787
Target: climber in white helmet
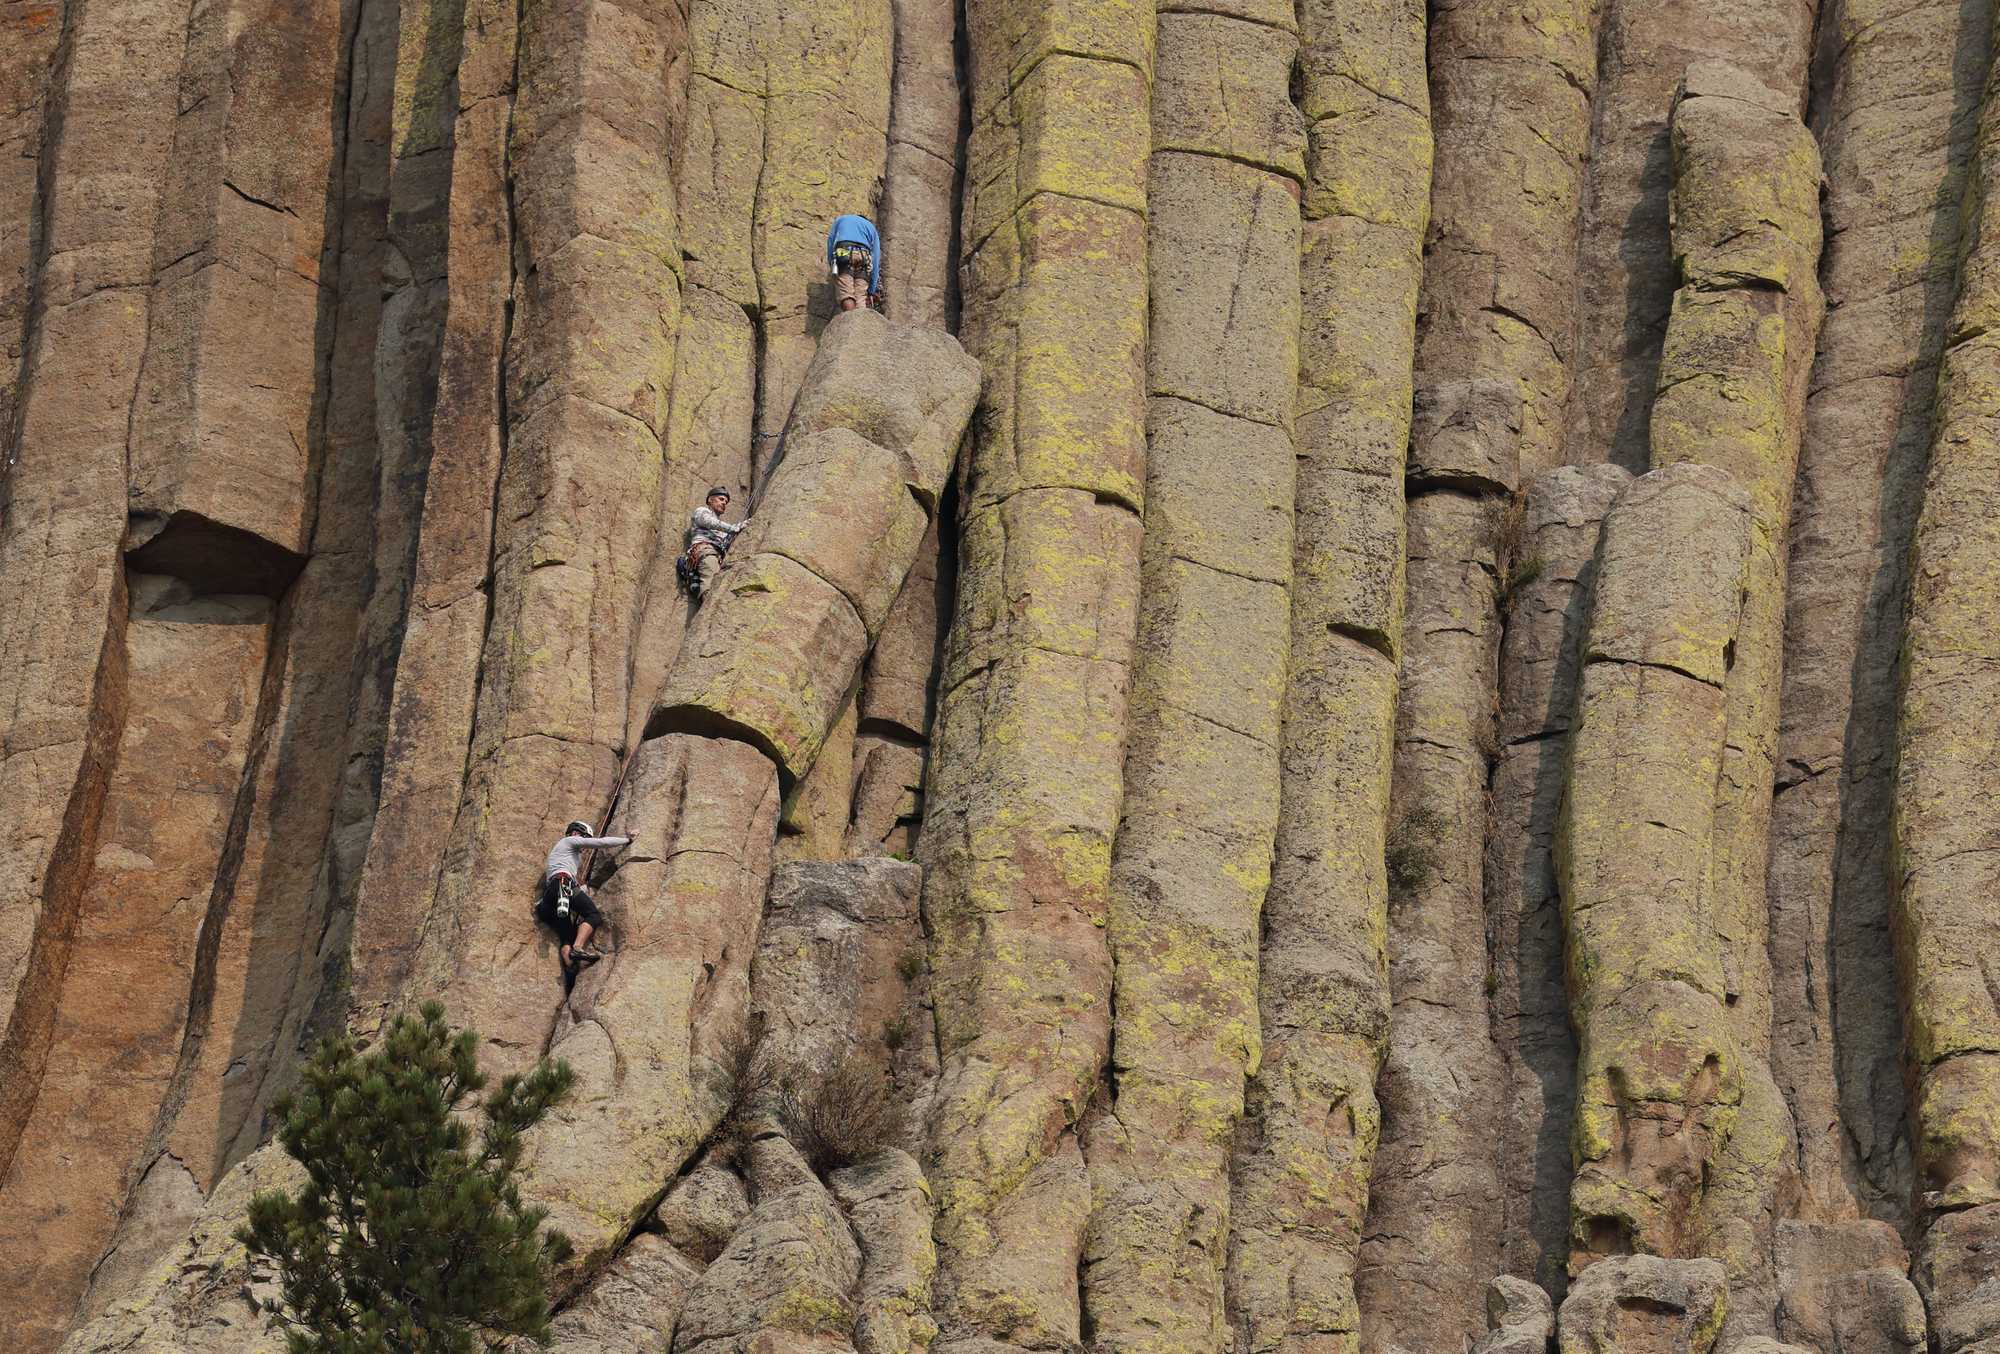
pixel 709 539
pixel 566 907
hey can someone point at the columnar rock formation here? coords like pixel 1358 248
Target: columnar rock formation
pixel 1437 724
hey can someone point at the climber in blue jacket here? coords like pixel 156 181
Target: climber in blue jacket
pixel 854 252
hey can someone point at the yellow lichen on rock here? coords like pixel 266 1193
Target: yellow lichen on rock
pixel 1946 842
pixel 1299 1179
pixel 1659 1077
pixel 1025 788
pixel 1732 385
pixel 1192 857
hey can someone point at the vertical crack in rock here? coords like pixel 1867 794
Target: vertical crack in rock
pixel 595 308
pixel 429 732
pixel 1299 1181
pixel 1025 780
pixel 1659 1076
pixel 1545 598
pixel 1624 273
pixel 1947 851
pixel 1192 858
pixel 1901 89
pixel 1733 368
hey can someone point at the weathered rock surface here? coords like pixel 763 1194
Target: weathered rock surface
pixel 1519 1316
pixel 360 360
pixel 1641 1304
pixel 1546 599
pixel 1944 851
pixel 784 1283
pixel 1659 1076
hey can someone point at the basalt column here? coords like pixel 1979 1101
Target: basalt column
pixel 61 676
pixel 588 361
pixel 1025 781
pixel 192 672
pixel 215 486
pixel 1193 853
pixel 1491 376
pixel 436 681
pixel 1947 842
pixel 1545 598
pixel 1659 1080
pixel 1746 234
pixel 1510 92
pixel 1625 273
pixel 1895 125
pixel 30 43
pixel 884 794
pixel 1299 1181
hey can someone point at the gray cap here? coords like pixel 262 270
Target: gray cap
pixel 718 489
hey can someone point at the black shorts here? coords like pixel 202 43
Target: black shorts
pixel 581 909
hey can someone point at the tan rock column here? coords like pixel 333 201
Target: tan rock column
pixel 1893 129
pixel 1434 1208
pixel 30 35
pixel 194 667
pixel 1510 89
pixel 1497 315
pixel 1545 601
pixel 437 669
pixel 287 864
pixel 1193 854
pixel 919 239
pixel 1659 1075
pixel 1025 780
pixel 1746 234
pixel 1511 83
pixel 1299 1184
pixel 1624 270
pixel 589 360
pixel 919 216
pixel 61 673
pixel 1948 773
pixel 898 690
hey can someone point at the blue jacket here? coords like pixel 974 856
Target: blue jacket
pixel 858 230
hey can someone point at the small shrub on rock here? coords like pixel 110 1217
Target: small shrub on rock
pixel 839 1116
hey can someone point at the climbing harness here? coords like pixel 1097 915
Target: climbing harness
pixel 853 259
pixel 687 566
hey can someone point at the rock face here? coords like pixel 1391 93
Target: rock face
pixel 1402 741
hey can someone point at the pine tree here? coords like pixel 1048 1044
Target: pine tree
pixel 404 1239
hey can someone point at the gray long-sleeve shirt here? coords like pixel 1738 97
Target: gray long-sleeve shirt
pixel 706 526
pixel 566 857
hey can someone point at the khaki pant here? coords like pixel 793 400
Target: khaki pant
pixel 845 286
pixel 707 564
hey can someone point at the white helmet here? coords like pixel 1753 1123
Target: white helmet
pixel 578 829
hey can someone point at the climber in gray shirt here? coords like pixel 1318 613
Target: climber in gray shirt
pixel 566 907
pixel 709 539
